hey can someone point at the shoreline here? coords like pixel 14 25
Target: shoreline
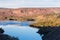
pixel 42 26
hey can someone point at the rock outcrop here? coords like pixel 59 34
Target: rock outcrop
pixel 50 33
pixel 1 30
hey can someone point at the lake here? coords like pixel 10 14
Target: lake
pixel 21 30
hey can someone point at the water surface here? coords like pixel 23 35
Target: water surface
pixel 21 30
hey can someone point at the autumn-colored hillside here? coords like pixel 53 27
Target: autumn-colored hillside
pixel 52 20
pixel 41 16
pixel 25 13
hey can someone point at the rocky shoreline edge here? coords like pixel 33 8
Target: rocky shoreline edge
pixel 48 32
pixel 6 36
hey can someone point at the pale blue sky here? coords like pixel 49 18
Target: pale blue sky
pixel 29 3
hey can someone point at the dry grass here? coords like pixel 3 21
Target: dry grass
pixel 47 20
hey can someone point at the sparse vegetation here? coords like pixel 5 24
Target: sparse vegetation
pixel 42 16
pixel 47 20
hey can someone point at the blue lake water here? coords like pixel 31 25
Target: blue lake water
pixel 21 30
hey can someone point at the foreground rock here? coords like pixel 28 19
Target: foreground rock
pixel 1 30
pixel 5 36
pixel 50 33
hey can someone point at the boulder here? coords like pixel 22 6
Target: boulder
pixel 1 30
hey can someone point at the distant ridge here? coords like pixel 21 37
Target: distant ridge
pixel 19 13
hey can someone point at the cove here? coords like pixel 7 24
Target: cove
pixel 21 30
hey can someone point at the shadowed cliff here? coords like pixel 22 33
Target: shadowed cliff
pixel 49 33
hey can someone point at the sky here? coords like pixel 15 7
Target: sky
pixel 29 3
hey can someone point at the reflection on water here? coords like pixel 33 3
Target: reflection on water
pixel 21 31
pixel 14 23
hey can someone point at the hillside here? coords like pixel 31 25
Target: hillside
pixel 52 20
pixel 42 16
pixel 25 13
